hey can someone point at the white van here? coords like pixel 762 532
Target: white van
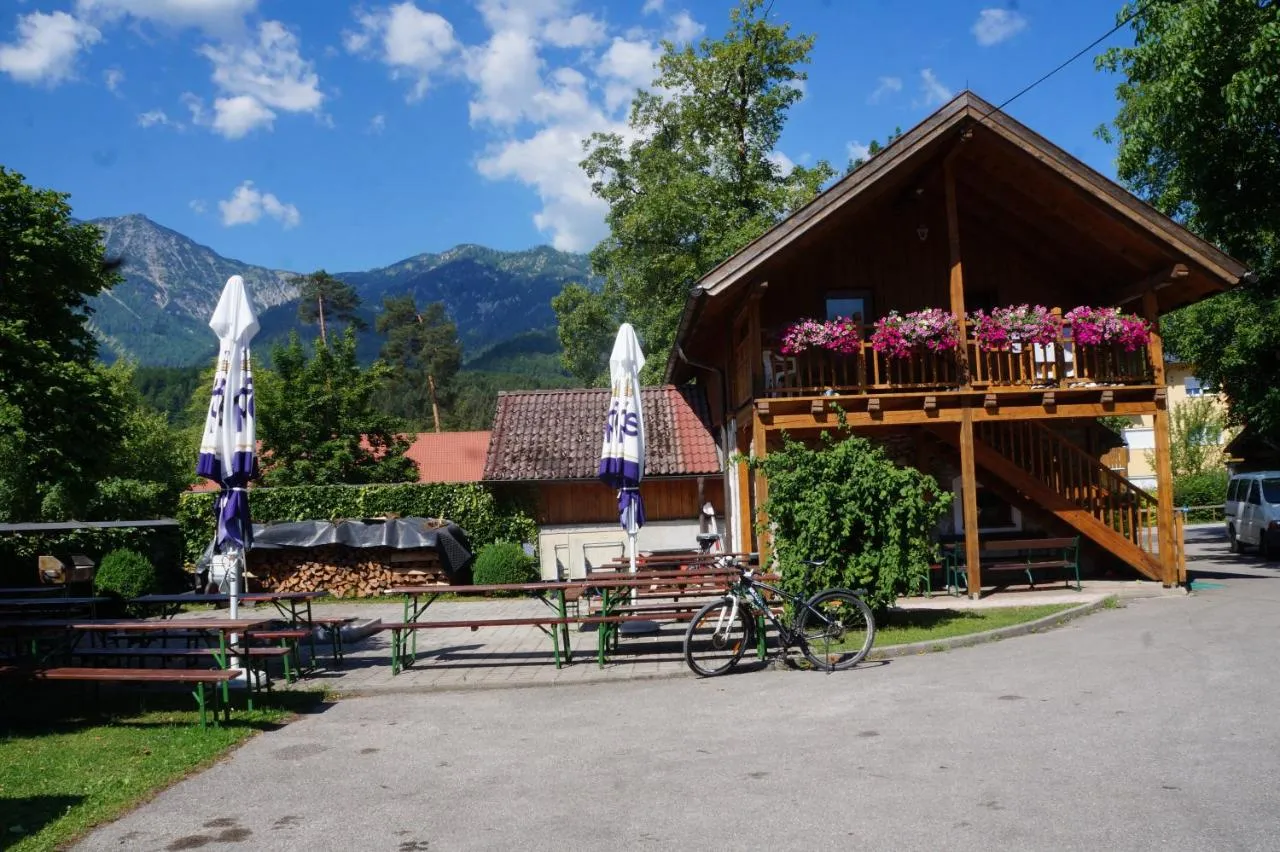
pixel 1253 512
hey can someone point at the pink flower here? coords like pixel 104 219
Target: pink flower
pixel 1021 324
pixel 1099 326
pixel 900 337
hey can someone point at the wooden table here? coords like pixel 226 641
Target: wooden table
pixel 288 604
pixel 10 606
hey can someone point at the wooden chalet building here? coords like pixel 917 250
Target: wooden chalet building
pixel 969 209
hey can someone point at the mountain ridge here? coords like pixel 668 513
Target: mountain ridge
pixel 158 315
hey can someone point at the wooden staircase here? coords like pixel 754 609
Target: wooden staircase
pixel 1065 480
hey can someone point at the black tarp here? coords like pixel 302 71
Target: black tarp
pixel 446 538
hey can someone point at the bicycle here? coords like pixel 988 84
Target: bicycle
pixel 834 629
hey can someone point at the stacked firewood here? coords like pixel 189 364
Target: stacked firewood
pixel 343 571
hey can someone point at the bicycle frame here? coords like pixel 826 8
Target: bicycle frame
pixel 747 590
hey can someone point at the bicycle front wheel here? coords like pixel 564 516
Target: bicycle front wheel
pixel 838 629
pixel 717 638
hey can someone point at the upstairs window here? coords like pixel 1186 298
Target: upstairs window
pixel 1193 386
pixel 853 304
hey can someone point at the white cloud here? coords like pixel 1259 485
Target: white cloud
pixel 247 206
pixel 548 162
pixel 858 151
pixel 932 88
pixel 784 164
pixel 195 106
pixel 217 17
pixel 197 206
pixel 153 118
pixel 46 48
pixel 626 66
pixel 237 117
pixel 652 7
pixel 413 43
pixel 885 87
pixel 579 31
pixel 684 28
pixel 112 78
pixel 377 124
pixel 996 25
pixel 257 79
pixel 507 73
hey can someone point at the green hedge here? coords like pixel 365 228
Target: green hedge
pixel 163 546
pixel 1201 489
pixel 485 518
pixel 503 562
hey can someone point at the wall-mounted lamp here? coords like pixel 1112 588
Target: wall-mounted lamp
pixel 922 232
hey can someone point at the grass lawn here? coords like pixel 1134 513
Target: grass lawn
pixel 925 625
pixel 62 772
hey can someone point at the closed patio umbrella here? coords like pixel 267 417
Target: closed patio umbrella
pixel 227 446
pixel 622 456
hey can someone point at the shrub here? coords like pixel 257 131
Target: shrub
pixel 1201 489
pixel 846 502
pixel 503 562
pixel 125 574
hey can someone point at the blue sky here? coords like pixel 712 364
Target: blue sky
pixel 301 135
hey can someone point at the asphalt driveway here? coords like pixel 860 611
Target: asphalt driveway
pixel 1151 726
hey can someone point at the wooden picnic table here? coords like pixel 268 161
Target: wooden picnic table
pixel 11 606
pixel 20 591
pixel 79 628
pixel 295 607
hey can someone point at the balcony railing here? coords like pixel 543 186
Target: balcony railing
pixel 1062 364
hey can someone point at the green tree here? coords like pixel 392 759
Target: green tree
pixel 699 181
pixel 588 323
pixel 317 421
pixel 323 299
pixel 421 350
pixel 846 503
pixel 1195 437
pixel 58 411
pixel 151 463
pixel 1198 138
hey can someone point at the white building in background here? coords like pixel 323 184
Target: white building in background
pixel 1140 437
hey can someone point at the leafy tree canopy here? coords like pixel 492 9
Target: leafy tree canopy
pixel 317 421
pixel 421 348
pixel 325 300
pixel 695 180
pixel 59 413
pixel 1199 137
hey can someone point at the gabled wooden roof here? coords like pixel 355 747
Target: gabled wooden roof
pixel 555 435
pixel 1137 233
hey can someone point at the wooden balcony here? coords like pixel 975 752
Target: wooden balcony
pixel 1063 364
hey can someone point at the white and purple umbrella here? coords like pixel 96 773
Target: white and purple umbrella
pixel 227 448
pixel 622 456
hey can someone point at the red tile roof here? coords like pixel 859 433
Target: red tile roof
pixel 449 456
pixel 439 456
pixel 556 434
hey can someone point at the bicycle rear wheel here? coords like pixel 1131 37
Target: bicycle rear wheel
pixel 838 629
pixel 717 638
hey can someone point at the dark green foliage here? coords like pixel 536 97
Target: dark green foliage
pixel 1201 489
pixel 421 348
pixel 846 502
pixel 326 301
pixel 125 574
pixel 168 390
pixel 317 422
pixel 484 516
pixel 162 545
pixel 1197 137
pixel 58 411
pixel 872 149
pixel 503 562
pixel 695 181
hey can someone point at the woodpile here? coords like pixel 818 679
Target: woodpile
pixel 344 572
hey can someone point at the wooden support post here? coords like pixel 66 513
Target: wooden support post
pixel 759 449
pixel 969 502
pixel 957 274
pixel 745 514
pixel 1164 467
